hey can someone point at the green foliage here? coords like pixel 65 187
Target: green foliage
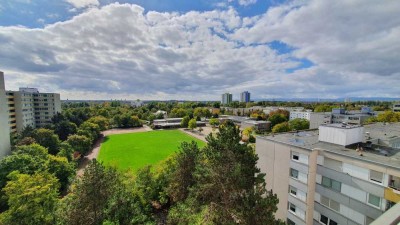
pixel 101 121
pixel 26 141
pixel 47 139
pixel 214 122
pixel 32 199
pixel 182 177
pixel 100 197
pixel 185 121
pixel 277 119
pixel 65 128
pixel 80 143
pixel 227 187
pixel 90 130
pixel 192 124
pixel 299 124
pixel 284 113
pixel 323 108
pixel 178 112
pixel 34 158
pixel 388 116
pixel 281 127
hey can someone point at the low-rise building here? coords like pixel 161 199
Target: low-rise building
pixel 172 123
pixel 332 175
pixel 396 107
pixel 260 126
pixel 300 115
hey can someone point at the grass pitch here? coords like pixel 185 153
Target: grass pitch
pixel 136 150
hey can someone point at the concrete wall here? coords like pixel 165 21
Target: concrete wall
pixel 4 127
pixel 274 159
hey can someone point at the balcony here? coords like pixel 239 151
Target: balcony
pixel 392 195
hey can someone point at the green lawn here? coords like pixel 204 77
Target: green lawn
pixel 135 150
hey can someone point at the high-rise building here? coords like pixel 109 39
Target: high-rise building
pixel 226 98
pixel 29 107
pixel 245 96
pixel 4 130
pixel 339 174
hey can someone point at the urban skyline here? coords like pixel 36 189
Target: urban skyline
pixel 197 50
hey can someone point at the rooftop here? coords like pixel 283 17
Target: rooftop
pixel 375 154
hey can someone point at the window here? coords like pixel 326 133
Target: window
pixel 375 176
pixel 292 208
pixel 293 190
pixel 294 173
pixel 332 184
pixel 295 156
pixel 289 222
pixel 374 200
pixel 330 203
pixel 325 220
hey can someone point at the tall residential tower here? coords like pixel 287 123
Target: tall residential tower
pixel 226 98
pixel 245 96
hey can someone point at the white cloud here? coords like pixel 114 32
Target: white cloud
pixel 83 3
pixel 247 2
pixel 119 51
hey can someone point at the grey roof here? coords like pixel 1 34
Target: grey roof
pixel 309 140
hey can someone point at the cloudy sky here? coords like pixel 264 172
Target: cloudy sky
pixel 199 49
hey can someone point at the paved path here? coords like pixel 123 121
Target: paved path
pixel 202 136
pixel 96 148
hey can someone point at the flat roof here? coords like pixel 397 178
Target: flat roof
pixel 309 140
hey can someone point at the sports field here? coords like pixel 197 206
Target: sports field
pixel 135 150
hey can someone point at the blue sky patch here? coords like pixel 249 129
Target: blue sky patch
pixel 303 63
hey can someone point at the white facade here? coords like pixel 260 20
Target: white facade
pixel 4 127
pixel 226 98
pixel 341 134
pixel 300 115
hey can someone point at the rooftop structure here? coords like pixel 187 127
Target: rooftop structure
pixel 335 175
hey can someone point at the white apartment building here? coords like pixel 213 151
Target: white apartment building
pixel 226 98
pixel 29 107
pixel 4 127
pixel 300 115
pixel 339 174
pixel 396 107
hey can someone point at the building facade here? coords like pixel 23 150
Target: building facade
pixel 331 176
pixel 396 107
pixel 29 107
pixel 4 127
pixel 226 98
pixel 245 96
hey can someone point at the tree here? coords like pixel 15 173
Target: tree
pixel 276 119
pixel 29 159
pixel 185 121
pixel 281 127
pixel 299 124
pixel 100 197
pixel 80 143
pixel 389 116
pixel 26 141
pixel 323 108
pixel 192 124
pixel 285 113
pixel 47 139
pixel 214 122
pixel 32 199
pixel 65 128
pixel 228 187
pixel 91 130
pixel 182 177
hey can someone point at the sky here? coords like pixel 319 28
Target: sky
pixel 199 49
